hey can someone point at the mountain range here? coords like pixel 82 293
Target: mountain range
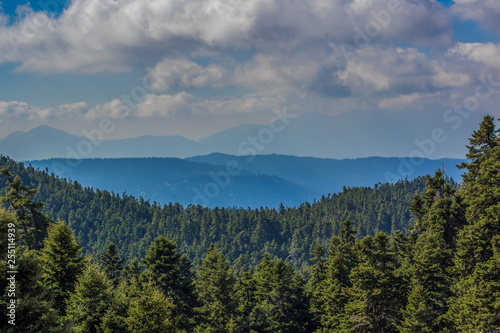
pixel 350 135
pixel 239 181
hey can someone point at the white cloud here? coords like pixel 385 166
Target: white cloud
pixel 186 74
pixel 166 105
pixel 385 70
pixel 486 12
pixel 114 35
pixel 487 54
pixel 22 110
pixel 396 102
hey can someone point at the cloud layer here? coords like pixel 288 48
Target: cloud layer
pixel 221 57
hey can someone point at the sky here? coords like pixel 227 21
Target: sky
pixel 196 67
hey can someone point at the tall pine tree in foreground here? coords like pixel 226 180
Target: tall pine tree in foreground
pixel 376 289
pixel 440 216
pixel 171 273
pixel 90 301
pixel 216 292
pixel 62 263
pixel 342 259
pixel 281 298
pixel 476 306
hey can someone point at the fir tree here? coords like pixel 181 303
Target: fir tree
pixel 171 273
pixel 62 263
pixel 30 217
pixel 151 312
pixel 216 288
pixel 440 216
pixel 476 256
pixel 375 292
pixel 112 263
pixel 281 298
pixel 90 301
pixel 316 284
pixel 342 259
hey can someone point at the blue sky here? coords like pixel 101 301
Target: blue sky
pixel 197 67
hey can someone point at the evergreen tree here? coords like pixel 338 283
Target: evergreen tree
pixel 62 263
pixel 30 217
pixel 342 259
pixel 171 273
pixel 216 291
pixel 112 263
pixel 151 312
pixel 33 303
pixel 133 270
pixel 476 253
pixel 249 317
pixel 375 293
pixel 281 298
pixel 440 216
pixel 316 284
pixel 90 301
pixel 115 318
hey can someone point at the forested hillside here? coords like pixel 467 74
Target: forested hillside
pixel 441 275
pixel 99 217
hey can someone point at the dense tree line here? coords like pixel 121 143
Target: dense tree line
pixel 441 275
pixel 99 217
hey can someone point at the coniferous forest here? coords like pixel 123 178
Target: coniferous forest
pixel 414 256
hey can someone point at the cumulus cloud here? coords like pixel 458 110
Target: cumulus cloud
pixel 186 74
pixel 487 54
pixel 114 35
pixel 382 70
pixel 486 12
pixel 166 105
pixel 22 110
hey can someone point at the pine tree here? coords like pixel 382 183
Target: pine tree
pixel 375 293
pixel 112 263
pixel 316 285
pixel 281 298
pixel 171 273
pixel 115 318
pixel 90 301
pixel 62 263
pixel 34 304
pixel 341 260
pixel 476 257
pixel 151 312
pixel 440 216
pixel 248 319
pixel 216 289
pixel 133 270
pixel 32 222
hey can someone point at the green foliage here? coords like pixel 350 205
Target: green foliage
pixel 440 274
pixel 90 300
pixel 216 287
pixel 151 312
pixel 171 273
pixel 99 217
pixel 375 299
pixel 62 263
pixel 440 217
pixel 32 223
pixel 112 263
pixel 475 306
pixel 281 298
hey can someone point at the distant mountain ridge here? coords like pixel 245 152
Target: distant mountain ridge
pixel 46 142
pixel 241 181
pixel 349 135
